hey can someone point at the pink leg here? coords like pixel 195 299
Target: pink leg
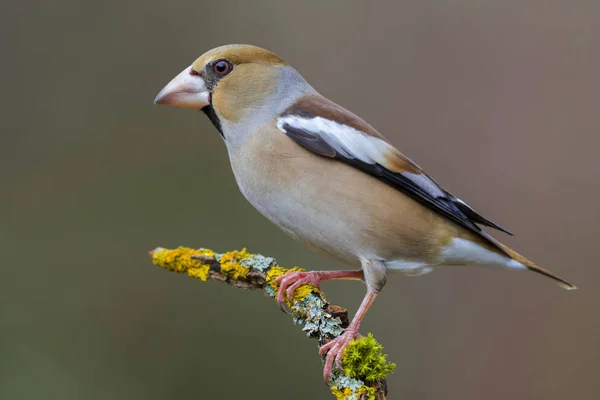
pixel 291 281
pixel 335 348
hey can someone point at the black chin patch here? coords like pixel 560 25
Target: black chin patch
pixel 212 116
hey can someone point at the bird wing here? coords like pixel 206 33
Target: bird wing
pixel 329 130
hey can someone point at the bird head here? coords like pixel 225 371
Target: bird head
pixel 231 84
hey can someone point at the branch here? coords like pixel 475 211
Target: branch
pixel 365 367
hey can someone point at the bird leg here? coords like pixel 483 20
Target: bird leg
pixel 335 348
pixel 291 281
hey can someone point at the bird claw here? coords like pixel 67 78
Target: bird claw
pixel 291 281
pixel 335 351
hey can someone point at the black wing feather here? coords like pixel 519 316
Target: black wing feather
pixel 449 207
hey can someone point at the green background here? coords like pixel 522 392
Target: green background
pixel 498 100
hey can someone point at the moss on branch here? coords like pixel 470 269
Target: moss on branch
pixel 365 365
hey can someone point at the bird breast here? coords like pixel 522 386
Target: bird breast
pixel 330 206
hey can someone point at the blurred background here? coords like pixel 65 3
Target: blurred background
pixel 498 100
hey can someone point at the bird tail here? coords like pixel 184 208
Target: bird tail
pixel 533 267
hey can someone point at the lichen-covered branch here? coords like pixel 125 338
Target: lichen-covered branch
pixel 365 365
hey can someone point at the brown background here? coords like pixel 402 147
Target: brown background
pixel 498 100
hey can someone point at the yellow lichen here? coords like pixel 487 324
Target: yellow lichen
pixel 180 260
pixel 275 272
pixel 231 266
pixel 300 293
pixel 363 392
pixel 341 394
pixel 363 359
pixel 199 273
pixel 303 291
pixel 367 391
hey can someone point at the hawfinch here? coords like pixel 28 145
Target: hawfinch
pixel 331 181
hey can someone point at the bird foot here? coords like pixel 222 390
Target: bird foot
pixel 335 350
pixel 291 281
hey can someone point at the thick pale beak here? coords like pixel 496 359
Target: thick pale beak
pixel 186 90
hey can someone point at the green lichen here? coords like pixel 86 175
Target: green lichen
pixel 258 262
pixel 331 326
pixel 311 311
pixel 364 359
pixel 270 291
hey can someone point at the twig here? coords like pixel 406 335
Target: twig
pixel 365 367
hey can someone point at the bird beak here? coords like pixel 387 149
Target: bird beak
pixel 186 90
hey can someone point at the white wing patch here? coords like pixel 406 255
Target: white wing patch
pixel 345 140
pixel 354 144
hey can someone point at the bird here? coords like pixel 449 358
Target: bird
pixel 332 181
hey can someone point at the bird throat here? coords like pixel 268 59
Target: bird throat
pixel 212 116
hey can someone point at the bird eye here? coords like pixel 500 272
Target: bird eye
pixel 222 67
